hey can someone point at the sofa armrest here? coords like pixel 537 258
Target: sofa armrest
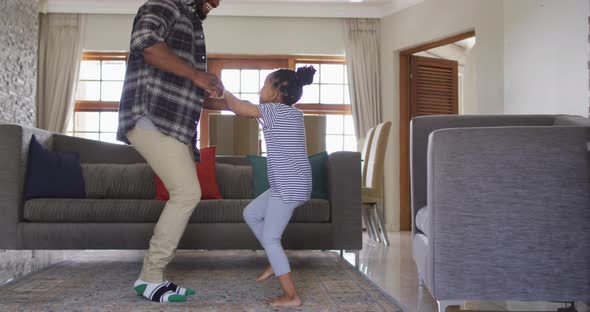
pixel 14 147
pixel 344 178
pixel 509 213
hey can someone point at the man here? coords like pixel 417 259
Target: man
pixel 166 87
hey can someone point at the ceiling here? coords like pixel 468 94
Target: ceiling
pixel 268 8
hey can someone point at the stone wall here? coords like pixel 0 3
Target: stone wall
pixel 19 23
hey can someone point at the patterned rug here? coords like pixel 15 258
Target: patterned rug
pixel 224 281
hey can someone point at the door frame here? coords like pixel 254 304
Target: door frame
pixel 404 122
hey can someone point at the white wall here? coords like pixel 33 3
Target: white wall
pixel 426 22
pixel 546 57
pixel 234 35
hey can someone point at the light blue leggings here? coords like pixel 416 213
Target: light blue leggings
pixel 268 218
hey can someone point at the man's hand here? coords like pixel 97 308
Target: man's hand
pixel 160 56
pixel 208 82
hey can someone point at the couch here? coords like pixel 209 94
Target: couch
pixel 120 213
pixel 501 207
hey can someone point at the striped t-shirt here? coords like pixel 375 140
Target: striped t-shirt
pixel 289 171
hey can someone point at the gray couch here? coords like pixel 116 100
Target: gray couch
pixel 120 212
pixel 501 207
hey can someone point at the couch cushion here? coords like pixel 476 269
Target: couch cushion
pixel 119 181
pixel 422 221
pixel 133 210
pixel 235 181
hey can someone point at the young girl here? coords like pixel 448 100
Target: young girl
pixel 289 171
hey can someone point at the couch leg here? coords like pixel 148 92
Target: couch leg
pixel 444 304
pixel 341 253
pixel 356 257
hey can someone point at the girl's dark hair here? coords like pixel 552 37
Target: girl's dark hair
pixel 290 83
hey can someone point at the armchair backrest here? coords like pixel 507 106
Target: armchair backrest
pixel 422 127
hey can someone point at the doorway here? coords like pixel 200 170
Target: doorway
pixel 432 82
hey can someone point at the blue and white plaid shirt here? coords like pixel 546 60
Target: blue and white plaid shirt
pixel 171 102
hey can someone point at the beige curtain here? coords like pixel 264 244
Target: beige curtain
pixel 362 60
pixel 60 53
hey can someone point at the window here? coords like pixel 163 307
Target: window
pixel 246 84
pixel 101 82
pixel 97 98
pixel 328 95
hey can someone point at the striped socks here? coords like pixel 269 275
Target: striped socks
pixel 162 292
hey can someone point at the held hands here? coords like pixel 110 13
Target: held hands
pixel 209 82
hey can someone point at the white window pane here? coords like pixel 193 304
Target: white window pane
pixel 333 143
pixel 345 74
pixel 88 91
pixel 262 144
pixel 250 80
pixel 86 121
pixel 110 138
pixel 71 124
pixel 311 95
pixel 252 97
pixel 90 70
pixel 70 133
pixel 332 73
pixel 90 136
pixel 113 70
pixel 225 112
pixel 347 95
pixel 109 122
pixel 263 74
pixel 334 124
pixel 111 91
pixel 348 125
pixel 231 80
pixel 350 143
pixel 316 77
pixel 332 94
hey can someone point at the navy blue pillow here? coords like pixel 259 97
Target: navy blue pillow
pixel 53 174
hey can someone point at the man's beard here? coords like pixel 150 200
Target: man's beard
pixel 198 9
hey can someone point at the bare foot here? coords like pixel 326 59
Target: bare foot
pixel 266 274
pixel 286 302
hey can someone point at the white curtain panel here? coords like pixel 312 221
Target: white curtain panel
pixel 60 53
pixel 362 59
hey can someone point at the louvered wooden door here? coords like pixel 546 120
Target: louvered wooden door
pixel 434 86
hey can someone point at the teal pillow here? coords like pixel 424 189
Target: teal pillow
pixel 259 175
pixel 319 175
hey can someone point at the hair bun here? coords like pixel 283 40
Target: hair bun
pixel 305 75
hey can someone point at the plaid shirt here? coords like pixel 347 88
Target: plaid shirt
pixel 171 102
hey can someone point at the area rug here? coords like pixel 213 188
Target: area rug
pixel 223 280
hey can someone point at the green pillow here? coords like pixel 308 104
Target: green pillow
pixel 319 175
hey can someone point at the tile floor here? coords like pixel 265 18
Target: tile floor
pixel 393 269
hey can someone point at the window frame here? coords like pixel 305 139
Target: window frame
pixel 97 106
pixel 100 106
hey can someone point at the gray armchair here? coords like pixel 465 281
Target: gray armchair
pixel 501 207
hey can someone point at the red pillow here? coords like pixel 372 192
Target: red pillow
pixel 206 174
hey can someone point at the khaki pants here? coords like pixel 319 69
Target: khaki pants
pixel 174 163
